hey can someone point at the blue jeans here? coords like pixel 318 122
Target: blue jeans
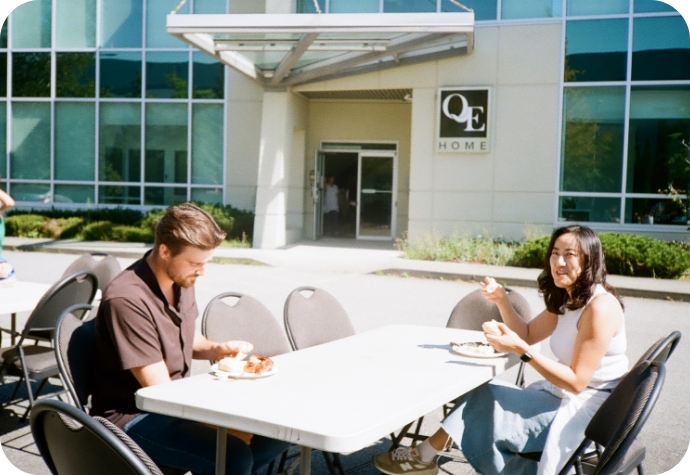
pixel 498 421
pixel 189 445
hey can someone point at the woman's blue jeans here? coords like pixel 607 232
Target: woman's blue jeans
pixel 189 445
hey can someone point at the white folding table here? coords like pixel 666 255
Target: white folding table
pixel 20 297
pixel 336 397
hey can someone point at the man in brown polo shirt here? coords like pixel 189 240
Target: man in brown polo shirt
pixel 146 334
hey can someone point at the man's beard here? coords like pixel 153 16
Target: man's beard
pixel 183 281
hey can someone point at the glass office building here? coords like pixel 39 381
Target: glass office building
pixel 587 114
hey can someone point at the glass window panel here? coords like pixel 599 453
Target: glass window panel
pixel 120 142
pixel 651 6
pixel 207 144
pixel 654 211
pixel 659 123
pixel 586 209
pixel 660 56
pixel 393 6
pixel 121 22
pixel 76 75
pixel 167 75
pixel 3 140
pixel 31 74
pixel 75 140
pixel 483 10
pixel 35 192
pixel 207 195
pixel 588 7
pixel 596 50
pixel 31 25
pixel 209 77
pixel 307 6
pixel 159 195
pixel 30 150
pixel 354 6
pixel 3 35
pixel 3 74
pixel 513 9
pixel 120 74
pixel 210 6
pixel 75 23
pixel 156 34
pixel 593 139
pixel 120 195
pixel 74 194
pixel 166 143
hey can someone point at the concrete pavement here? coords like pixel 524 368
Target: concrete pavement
pixel 377 287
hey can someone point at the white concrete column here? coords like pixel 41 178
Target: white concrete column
pixel 281 166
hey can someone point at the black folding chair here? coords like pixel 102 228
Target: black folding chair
pixel 617 423
pixel 37 362
pixel 73 443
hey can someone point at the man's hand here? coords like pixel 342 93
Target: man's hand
pixel 234 349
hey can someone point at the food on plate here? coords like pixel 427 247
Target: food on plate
pixel 258 364
pixel 492 285
pixel 476 348
pixel 231 365
pixel 491 328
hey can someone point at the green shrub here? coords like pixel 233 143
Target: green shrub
pixel 98 231
pixel 630 254
pixel 28 225
pixel 459 249
pixel 123 233
pixel 530 253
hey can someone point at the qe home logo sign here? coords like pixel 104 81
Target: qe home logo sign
pixel 463 120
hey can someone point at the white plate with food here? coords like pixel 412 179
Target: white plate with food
pixel 240 375
pixel 475 349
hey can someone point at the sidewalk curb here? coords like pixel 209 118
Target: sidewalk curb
pixel 530 283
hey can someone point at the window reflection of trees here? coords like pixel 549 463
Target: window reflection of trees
pixel 31 74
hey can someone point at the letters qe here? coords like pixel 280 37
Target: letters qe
pixel 463 119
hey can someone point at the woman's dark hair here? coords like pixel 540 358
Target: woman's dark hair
pixel 593 272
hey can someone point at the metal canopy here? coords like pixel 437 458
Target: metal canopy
pixel 281 50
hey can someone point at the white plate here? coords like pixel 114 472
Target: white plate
pixel 223 374
pixel 469 349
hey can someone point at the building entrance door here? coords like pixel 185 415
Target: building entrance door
pixel 355 194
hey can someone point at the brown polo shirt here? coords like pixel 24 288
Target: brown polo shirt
pixel 135 327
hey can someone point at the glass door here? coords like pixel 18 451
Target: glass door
pixel 316 187
pixel 377 190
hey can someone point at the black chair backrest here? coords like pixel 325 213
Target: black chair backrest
pixel 105 266
pixel 73 443
pixel 662 349
pixel 474 309
pixel 74 351
pixel 247 319
pixel 77 288
pixel 314 319
pixel 620 418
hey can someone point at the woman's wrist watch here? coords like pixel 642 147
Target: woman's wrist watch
pixel 526 357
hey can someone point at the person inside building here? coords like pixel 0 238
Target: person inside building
pixel 146 334
pixel 331 208
pixel 6 202
pixel 498 421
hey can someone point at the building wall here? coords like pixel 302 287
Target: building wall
pixel 506 192
pixel 363 122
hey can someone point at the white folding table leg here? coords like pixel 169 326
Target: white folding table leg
pixel 221 445
pixel 305 461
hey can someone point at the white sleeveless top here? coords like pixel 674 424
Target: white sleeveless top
pixel 613 365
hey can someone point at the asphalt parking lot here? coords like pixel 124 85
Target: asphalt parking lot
pixel 372 299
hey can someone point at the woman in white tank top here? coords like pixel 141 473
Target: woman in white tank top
pixel 584 320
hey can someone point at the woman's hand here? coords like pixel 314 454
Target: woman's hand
pixel 508 341
pixel 492 290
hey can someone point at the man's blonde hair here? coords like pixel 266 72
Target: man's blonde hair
pixel 187 225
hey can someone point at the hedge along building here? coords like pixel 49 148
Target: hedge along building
pixel 433 120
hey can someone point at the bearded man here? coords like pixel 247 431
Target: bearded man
pixel 146 334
